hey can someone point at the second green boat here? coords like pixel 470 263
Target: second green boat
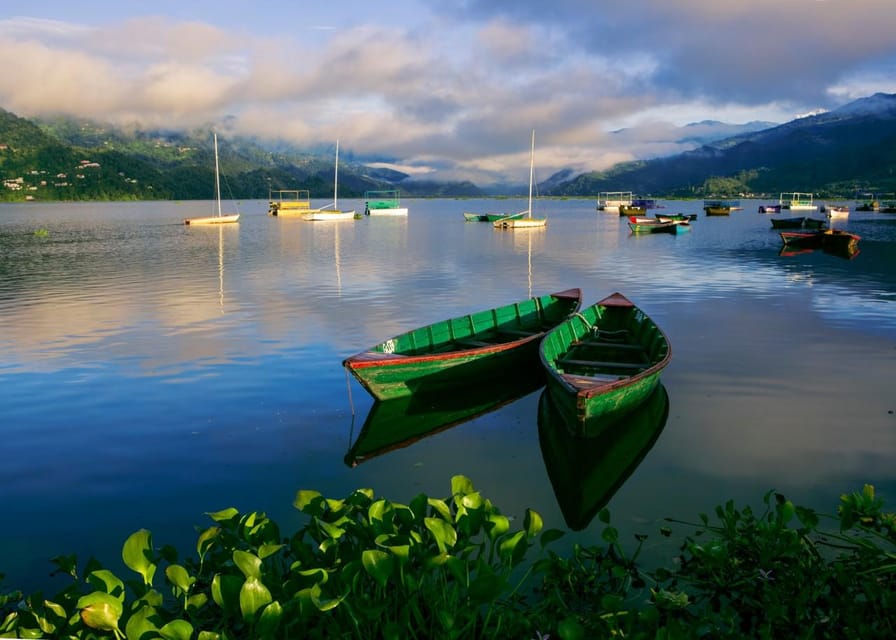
pixel 603 362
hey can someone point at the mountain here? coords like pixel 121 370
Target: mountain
pixel 836 153
pixel 841 152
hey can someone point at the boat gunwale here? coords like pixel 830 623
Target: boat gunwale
pixel 601 387
pixel 371 358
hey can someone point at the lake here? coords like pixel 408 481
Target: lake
pixel 151 372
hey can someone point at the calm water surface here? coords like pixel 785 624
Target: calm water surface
pixel 151 372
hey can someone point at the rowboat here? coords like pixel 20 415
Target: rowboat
pixel 460 353
pixel 788 223
pixel 603 361
pixel 640 224
pixel 836 211
pixel 398 423
pixel 586 473
pixel 675 217
pixel 492 217
pixel 830 240
pixel 814 223
pixel 720 207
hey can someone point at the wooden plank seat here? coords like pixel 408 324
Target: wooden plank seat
pixel 607 343
pixel 599 364
pixel 515 332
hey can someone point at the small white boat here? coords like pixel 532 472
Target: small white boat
pixel 330 212
pixel 528 221
pixel 220 218
pixel 836 211
pixel 384 203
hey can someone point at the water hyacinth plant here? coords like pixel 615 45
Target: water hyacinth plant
pixel 366 567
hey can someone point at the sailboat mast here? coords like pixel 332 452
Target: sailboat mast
pixel 531 171
pixel 336 179
pixel 217 177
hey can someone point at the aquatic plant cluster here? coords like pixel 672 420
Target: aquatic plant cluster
pixel 366 567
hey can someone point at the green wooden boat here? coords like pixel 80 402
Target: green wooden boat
pixel 401 422
pixel 460 353
pixel 602 362
pixel 586 473
pixel 492 217
pixel 651 225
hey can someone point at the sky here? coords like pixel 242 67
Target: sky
pixel 448 89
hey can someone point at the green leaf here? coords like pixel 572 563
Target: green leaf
pixel 269 620
pixel 178 576
pixel 514 547
pixel 533 523
pixel 137 554
pixel 379 564
pixel 226 591
pixel 248 563
pixel 461 485
pixel 551 535
pixel 440 507
pixel 268 549
pixel 206 539
pixel 106 581
pixel 100 611
pixel 570 629
pixel 444 534
pixel 498 525
pixel 142 622
pixel 225 515
pixel 305 498
pixel 253 596
pixel 177 630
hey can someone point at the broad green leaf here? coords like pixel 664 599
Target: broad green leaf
pixel 379 564
pixel 461 486
pixel 550 535
pixel 533 523
pixel 253 596
pixel 106 581
pixel 269 620
pixel 137 553
pixel 268 549
pixel 226 591
pixel 513 547
pixel 323 604
pixel 331 530
pixel 206 539
pixel 377 511
pixel 335 505
pixel 179 577
pixel 177 630
pixel 225 515
pixel 196 602
pixel 304 498
pixel 444 534
pixel 497 525
pixel 209 635
pixel 100 611
pixel 248 563
pixel 440 507
pixel 570 629
pixel 143 621
pixel 472 500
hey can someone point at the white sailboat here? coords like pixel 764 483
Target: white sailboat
pixel 328 212
pixel 220 218
pixel 528 221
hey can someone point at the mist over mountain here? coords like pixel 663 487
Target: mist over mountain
pixel 841 152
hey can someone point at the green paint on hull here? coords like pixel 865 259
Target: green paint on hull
pixel 462 352
pixel 602 363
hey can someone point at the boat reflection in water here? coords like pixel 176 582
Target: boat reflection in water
pixel 397 423
pixel 586 472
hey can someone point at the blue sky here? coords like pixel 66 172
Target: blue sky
pixel 449 89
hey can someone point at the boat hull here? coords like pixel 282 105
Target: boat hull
pixel 520 223
pixel 213 220
pixel 788 223
pixel 323 214
pixel 602 363
pixel 397 211
pixel 461 352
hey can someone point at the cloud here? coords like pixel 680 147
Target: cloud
pixel 458 88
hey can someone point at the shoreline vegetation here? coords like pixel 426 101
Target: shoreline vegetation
pixel 366 567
